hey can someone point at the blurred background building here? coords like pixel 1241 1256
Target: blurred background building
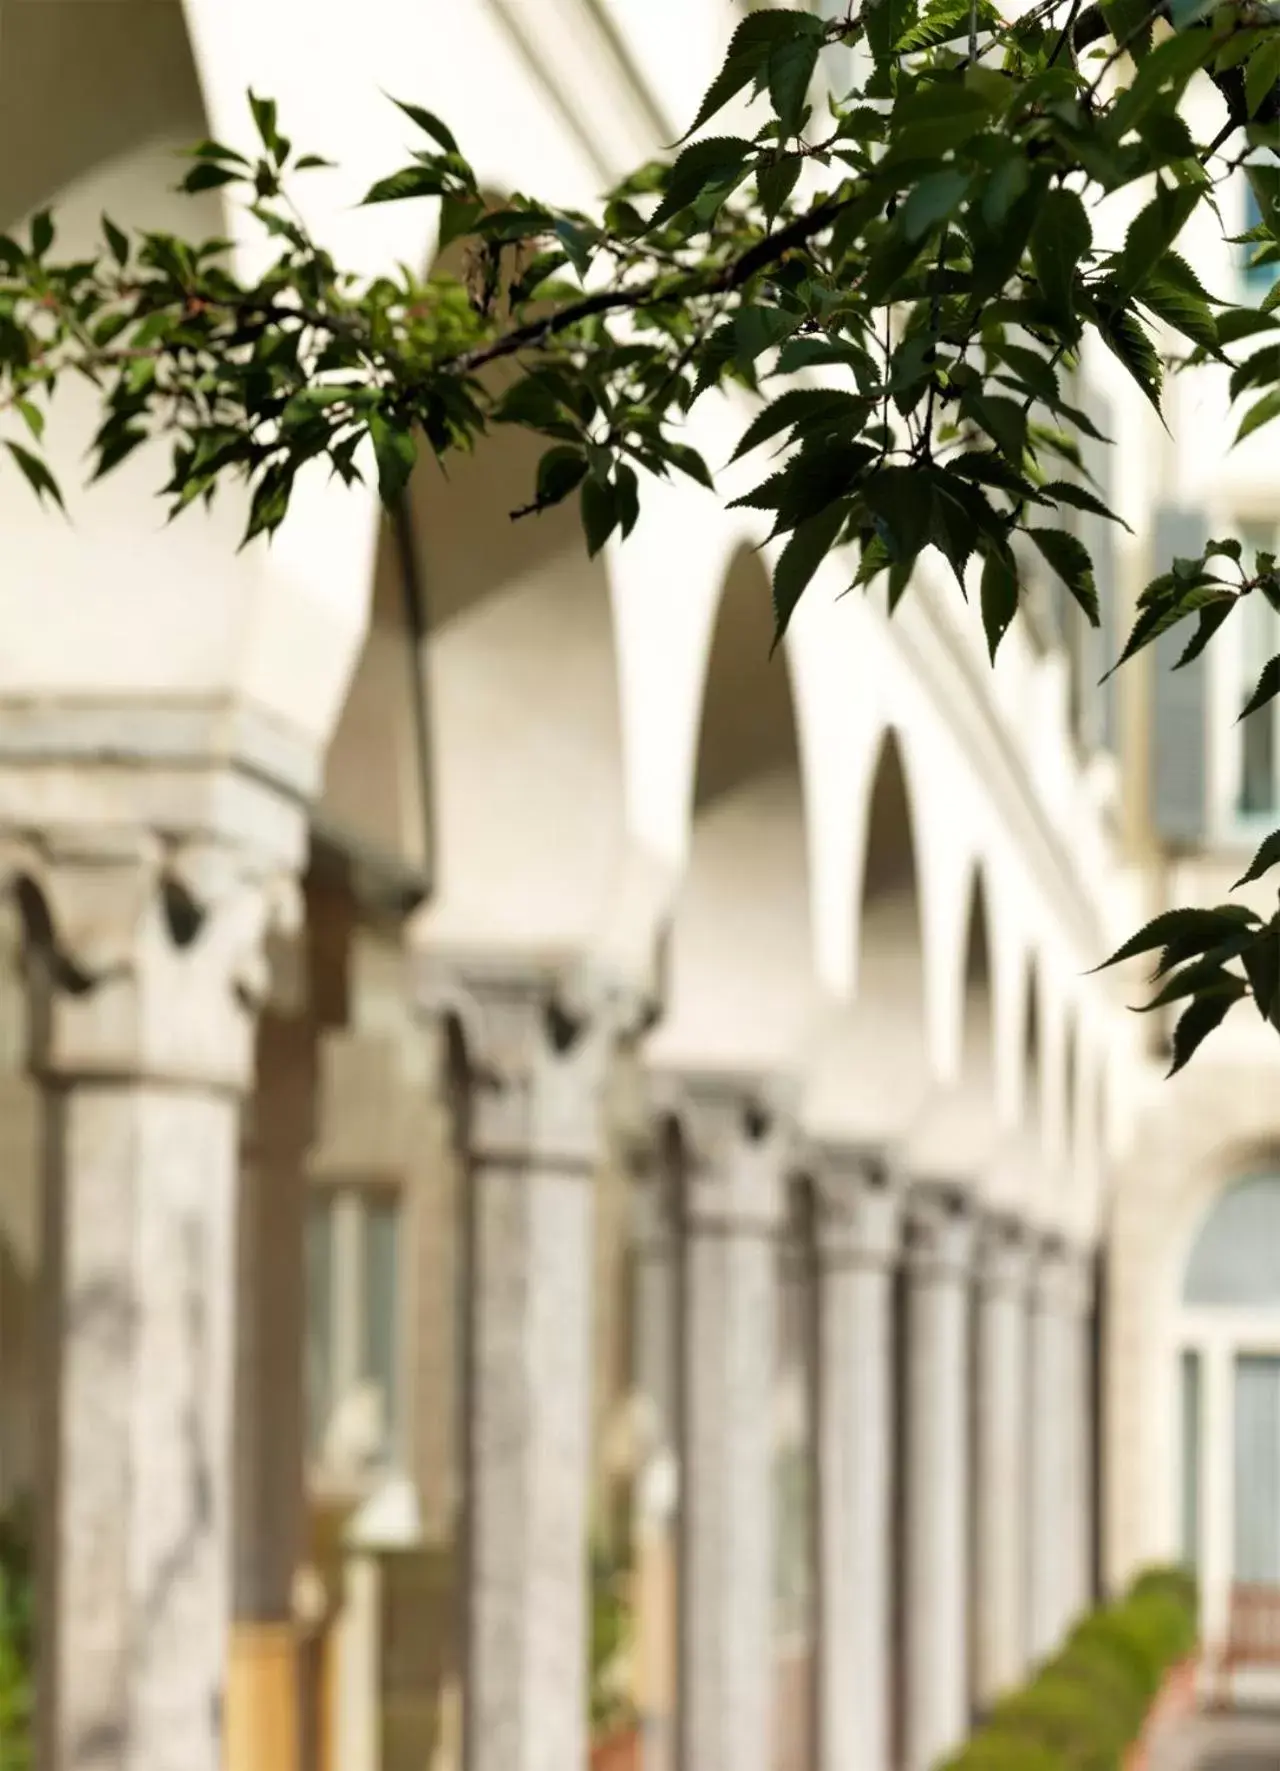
pixel 581 1188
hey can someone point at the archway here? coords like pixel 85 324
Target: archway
pixel 1228 1377
pixel 741 1003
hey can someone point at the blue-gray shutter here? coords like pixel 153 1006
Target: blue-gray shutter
pixel 1179 732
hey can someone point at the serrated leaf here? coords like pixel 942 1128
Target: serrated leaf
pixel 999 597
pixel 1261 961
pixel 749 50
pixel 795 406
pixel 810 543
pixel 1266 688
pixel 1060 238
pixel 1130 342
pixel 1267 857
pixel 791 68
pixel 1151 233
pixel 1208 925
pixel 714 166
pixel 775 184
pixel 1069 558
pixel 1198 1020
pixel 1212 617
pixel 1081 498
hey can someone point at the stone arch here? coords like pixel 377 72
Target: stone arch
pixel 891 973
pixel 740 964
pixel 1033 1051
pixel 978 1003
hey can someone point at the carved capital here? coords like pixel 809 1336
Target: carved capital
pixel 738 1141
pixel 537 1039
pixel 154 950
pixel 858 1219
pixel 940 1234
pixel 1004 1257
pixel 1063 1280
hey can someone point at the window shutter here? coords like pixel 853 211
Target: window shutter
pixel 1179 748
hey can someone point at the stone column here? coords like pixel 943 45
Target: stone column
pixel 939 1253
pixel 534 1062
pixel 733 1164
pixel 1078 1407
pixel 1050 1435
pixel 263 1724
pixel 151 963
pixel 1000 1461
pixel 858 1236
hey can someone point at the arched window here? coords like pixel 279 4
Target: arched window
pixel 1236 1257
pixel 1229 1380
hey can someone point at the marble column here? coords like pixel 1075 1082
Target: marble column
pixel 939 1268
pixel 1000 1460
pixel 1051 1433
pixel 534 1061
pixel 858 1230
pixel 1078 1303
pixel 735 1148
pixel 263 1724
pixel 150 962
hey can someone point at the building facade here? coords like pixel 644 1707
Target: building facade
pixel 502 1081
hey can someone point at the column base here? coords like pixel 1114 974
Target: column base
pixel 261 1717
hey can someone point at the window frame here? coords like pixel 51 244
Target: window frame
pixel 347 1198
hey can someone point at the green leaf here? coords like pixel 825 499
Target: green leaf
pixel 1266 688
pixel 712 166
pixel 1267 857
pixel 1202 926
pixel 933 200
pixel 36 474
pixel 207 175
pixel 796 406
pixel 1004 420
pixel 395 452
pixel 1129 340
pixel 1262 72
pixel 1069 558
pixel 690 463
pixel 758 329
pixel 117 240
pixel 428 122
pixel 775 184
pixel 931 120
pixel 1067 492
pixel 627 493
pixel 458 215
pixel 1199 1019
pixel 791 68
pixel 1060 238
pixel 1151 233
pixel 264 117
pixel 599 513
pixel 1267 408
pixel 410 181
pixel 560 472
pixel 41 233
pixel 1243 322
pixel 1212 616
pixel 809 545
pixel 32 417
pixel 750 48
pixel 999 597
pixel 1261 960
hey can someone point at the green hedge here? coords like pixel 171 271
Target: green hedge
pixel 1087 1705
pixel 16 1645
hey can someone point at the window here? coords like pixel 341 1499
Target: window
pixel 1191 1457
pixel 1258 769
pixel 353 1375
